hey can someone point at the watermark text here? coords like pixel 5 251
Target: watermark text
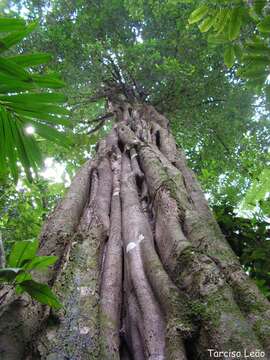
pixel 234 354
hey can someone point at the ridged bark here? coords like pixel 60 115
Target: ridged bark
pixel 144 270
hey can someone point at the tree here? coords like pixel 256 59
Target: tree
pixel 170 286
pixel 149 272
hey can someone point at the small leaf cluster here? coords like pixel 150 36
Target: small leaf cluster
pixel 249 238
pixel 258 193
pixel 24 103
pixel 243 29
pixel 21 261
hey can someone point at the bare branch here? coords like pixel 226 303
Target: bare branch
pixel 102 117
pixel 99 126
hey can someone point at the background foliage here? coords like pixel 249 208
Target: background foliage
pixel 205 64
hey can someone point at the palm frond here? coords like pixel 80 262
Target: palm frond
pixel 23 103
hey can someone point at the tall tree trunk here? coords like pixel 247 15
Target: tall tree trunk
pixel 144 270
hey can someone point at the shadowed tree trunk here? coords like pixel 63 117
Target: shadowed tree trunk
pixel 144 270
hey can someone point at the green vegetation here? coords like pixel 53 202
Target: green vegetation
pixel 17 272
pixel 242 28
pixel 23 106
pixel 173 53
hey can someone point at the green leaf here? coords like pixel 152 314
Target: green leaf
pixel 36 107
pixel 19 110
pixel 36 98
pixel 41 262
pixel 253 71
pixel 252 13
pixel 18 290
pixel 257 47
pixel 9 274
pixel 256 83
pixel 235 24
pixel 31 59
pixel 22 276
pixel 15 37
pixel 8 25
pixel 48 132
pixel 198 14
pixel 258 6
pixel 48 118
pixel 258 190
pixel 12 69
pixel 229 56
pixel 2 147
pixel 32 150
pixel 262 285
pixel 238 52
pixel 264 25
pixel 256 59
pixel 10 84
pixel 217 39
pixel 22 153
pixel 265 206
pixel 221 20
pixel 41 293
pixel 22 250
pixel 7 140
pixel 48 81
pixel 206 24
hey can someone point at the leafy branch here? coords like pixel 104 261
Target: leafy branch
pixel 243 29
pixel 17 273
